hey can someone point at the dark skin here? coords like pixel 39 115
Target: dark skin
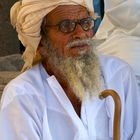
pixel 72 12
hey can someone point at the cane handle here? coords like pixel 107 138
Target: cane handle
pixel 117 111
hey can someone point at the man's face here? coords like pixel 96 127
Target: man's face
pixel 71 56
pixel 59 39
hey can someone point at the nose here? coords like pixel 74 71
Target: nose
pixel 79 33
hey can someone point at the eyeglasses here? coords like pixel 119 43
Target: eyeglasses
pixel 68 26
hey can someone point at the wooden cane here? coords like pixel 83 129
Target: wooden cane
pixel 117 112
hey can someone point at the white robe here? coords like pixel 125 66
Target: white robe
pixel 35 107
pixel 120 28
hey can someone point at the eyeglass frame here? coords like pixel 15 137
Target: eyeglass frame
pixel 75 22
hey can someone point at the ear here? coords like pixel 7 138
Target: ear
pixel 42 50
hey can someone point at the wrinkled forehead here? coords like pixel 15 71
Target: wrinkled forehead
pixel 67 12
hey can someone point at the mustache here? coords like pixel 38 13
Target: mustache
pixel 79 42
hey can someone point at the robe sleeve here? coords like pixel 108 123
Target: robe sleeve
pixel 131 121
pixel 20 116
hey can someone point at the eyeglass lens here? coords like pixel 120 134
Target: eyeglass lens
pixel 68 26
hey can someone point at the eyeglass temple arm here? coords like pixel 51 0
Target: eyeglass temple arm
pixel 117 112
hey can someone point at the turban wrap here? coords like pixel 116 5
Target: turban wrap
pixel 27 16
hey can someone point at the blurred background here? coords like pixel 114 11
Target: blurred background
pixel 10 57
pixel 8 37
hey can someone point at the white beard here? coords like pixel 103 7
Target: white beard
pixel 82 73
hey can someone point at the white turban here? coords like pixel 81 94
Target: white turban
pixel 27 16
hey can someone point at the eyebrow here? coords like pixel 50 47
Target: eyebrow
pixel 47 22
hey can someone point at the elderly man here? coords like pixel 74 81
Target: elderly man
pixel 57 98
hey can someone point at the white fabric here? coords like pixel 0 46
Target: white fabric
pixel 120 28
pixel 27 16
pixel 35 107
